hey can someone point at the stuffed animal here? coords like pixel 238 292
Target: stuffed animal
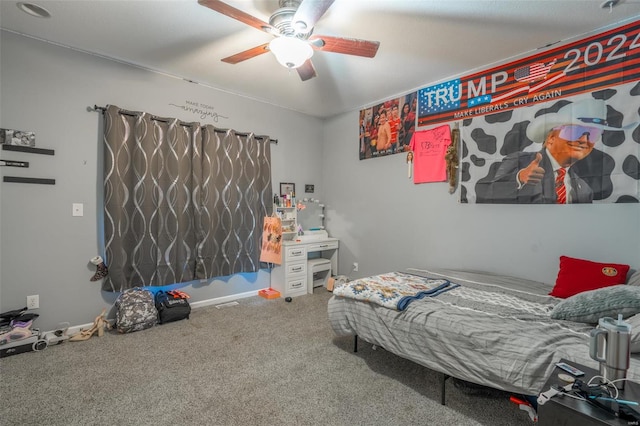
pixel 451 157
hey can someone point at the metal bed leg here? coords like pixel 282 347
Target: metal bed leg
pixel 355 343
pixel 442 387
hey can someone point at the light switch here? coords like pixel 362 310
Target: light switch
pixel 77 209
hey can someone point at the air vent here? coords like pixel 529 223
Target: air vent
pixel 226 305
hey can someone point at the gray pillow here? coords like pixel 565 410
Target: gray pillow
pixel 634 279
pixel 634 322
pixel 589 306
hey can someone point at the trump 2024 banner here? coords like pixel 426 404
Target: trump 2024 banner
pixel 607 59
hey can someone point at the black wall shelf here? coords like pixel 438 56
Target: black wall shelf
pixel 41 181
pixel 13 163
pixel 28 149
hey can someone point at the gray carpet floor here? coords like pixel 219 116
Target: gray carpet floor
pixel 262 362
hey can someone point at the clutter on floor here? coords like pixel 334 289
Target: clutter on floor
pixel 99 324
pixel 17 334
pixel 172 306
pixel 269 293
pixel 135 310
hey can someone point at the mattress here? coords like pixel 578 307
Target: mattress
pixel 492 330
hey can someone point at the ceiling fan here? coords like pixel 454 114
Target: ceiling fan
pixel 292 25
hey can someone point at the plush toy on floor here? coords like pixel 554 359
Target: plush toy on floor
pixel 102 270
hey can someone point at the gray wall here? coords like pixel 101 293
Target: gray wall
pixel 385 222
pixel 47 89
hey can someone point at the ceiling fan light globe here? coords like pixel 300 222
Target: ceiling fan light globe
pixel 291 52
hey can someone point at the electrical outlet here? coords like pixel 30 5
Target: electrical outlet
pixel 33 302
pixel 355 266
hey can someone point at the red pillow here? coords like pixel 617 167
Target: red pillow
pixel 578 275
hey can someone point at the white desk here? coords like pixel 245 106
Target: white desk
pixel 290 278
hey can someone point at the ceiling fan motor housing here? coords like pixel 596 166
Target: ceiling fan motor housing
pixel 282 20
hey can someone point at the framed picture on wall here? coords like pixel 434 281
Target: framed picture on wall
pixel 287 188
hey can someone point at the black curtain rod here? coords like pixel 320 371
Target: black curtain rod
pixel 153 117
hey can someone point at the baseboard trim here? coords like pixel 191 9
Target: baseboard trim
pixel 194 305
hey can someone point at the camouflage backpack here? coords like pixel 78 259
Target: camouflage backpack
pixel 135 310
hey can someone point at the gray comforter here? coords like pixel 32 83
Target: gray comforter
pixel 492 330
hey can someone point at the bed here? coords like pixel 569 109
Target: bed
pixel 487 329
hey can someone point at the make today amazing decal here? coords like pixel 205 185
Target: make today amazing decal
pixel 594 63
pixel 203 111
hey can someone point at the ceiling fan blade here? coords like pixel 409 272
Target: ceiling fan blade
pixel 308 13
pixel 306 70
pixel 239 15
pixel 348 46
pixel 247 54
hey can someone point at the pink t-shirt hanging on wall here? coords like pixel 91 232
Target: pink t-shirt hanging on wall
pixel 429 148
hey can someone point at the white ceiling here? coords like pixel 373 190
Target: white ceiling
pixel 421 41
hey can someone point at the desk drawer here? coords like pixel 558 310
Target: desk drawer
pixel 296 285
pixel 296 268
pixel 322 246
pixel 295 253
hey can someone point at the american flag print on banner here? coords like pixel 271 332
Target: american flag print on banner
pixel 440 97
pixel 533 72
pixel 486 99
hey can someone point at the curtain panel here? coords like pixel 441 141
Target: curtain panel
pixel 234 196
pixel 182 201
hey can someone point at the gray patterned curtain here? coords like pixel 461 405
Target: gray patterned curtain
pixel 181 201
pixel 235 195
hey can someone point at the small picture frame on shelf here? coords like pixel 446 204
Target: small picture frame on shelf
pixel 17 137
pixel 287 188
